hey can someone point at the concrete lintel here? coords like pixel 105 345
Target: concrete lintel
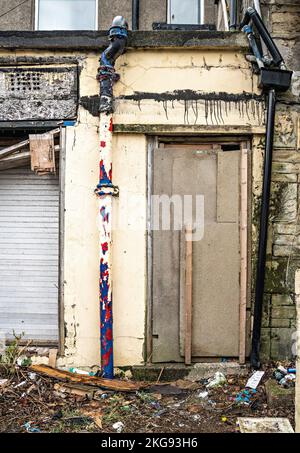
pixel 97 40
pixel 170 129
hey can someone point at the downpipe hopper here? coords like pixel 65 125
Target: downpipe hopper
pixel 118 34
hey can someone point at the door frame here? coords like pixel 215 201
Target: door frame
pixel 244 228
pixel 61 242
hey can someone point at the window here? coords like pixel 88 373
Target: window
pixel 185 11
pixel 66 15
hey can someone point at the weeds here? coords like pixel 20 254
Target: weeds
pixel 12 352
pixel 145 397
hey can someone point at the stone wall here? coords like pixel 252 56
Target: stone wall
pixel 297 291
pixel 283 254
pixel 17 15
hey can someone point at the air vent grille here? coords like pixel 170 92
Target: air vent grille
pixel 24 81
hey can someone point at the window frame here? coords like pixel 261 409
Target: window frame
pixel 36 15
pixel 201 18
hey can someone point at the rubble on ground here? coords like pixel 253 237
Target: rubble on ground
pixel 43 399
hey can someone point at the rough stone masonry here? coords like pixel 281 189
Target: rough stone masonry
pixel 279 318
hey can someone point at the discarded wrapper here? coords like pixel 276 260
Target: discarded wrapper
pixel 218 380
pixel 254 380
pixel 118 426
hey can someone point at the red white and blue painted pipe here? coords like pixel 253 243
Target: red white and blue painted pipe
pixel 105 190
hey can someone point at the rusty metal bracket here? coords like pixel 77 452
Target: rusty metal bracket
pixel 107 189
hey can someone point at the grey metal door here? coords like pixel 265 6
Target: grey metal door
pixel 29 234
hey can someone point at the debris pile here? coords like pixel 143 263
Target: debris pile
pixel 285 376
pixel 39 398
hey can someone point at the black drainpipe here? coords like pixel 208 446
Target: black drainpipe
pixel 273 78
pixel 263 231
pixel 135 14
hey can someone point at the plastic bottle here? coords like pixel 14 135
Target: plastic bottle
pixel 78 371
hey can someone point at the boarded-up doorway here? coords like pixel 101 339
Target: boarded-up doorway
pixel 218 319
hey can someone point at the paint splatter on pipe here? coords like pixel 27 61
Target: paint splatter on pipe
pixel 106 189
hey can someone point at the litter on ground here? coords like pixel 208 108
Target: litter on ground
pixel 38 398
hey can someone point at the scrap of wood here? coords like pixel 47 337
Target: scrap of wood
pixel 188 298
pixel 42 153
pixel 182 266
pixel 185 384
pixel 16 160
pixel 19 159
pixel 243 252
pixel 95 414
pixel 160 374
pixel 52 357
pixel 76 389
pixel 17 147
pixel 13 148
pixel 108 384
pixel 98 421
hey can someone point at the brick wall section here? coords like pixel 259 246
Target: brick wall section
pixel 279 314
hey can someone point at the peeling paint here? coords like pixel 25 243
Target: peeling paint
pixel 104 214
pixel 105 179
pixel 106 311
pixel 104 247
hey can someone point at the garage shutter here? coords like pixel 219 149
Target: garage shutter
pixel 29 232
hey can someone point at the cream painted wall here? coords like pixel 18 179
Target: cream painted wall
pixel 81 245
pixel 166 70
pixel 81 257
pixel 205 71
pixel 147 70
pixel 129 248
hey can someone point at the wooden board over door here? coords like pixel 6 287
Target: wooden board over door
pixel 214 173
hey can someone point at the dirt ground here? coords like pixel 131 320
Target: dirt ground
pixel 32 402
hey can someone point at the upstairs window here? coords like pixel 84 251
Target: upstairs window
pixel 66 15
pixel 186 12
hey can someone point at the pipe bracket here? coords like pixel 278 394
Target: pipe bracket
pixel 107 189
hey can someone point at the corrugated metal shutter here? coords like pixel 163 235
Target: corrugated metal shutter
pixel 29 232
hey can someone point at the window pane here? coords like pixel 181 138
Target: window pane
pixel 185 11
pixel 66 14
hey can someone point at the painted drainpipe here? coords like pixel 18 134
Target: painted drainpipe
pixel 105 190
